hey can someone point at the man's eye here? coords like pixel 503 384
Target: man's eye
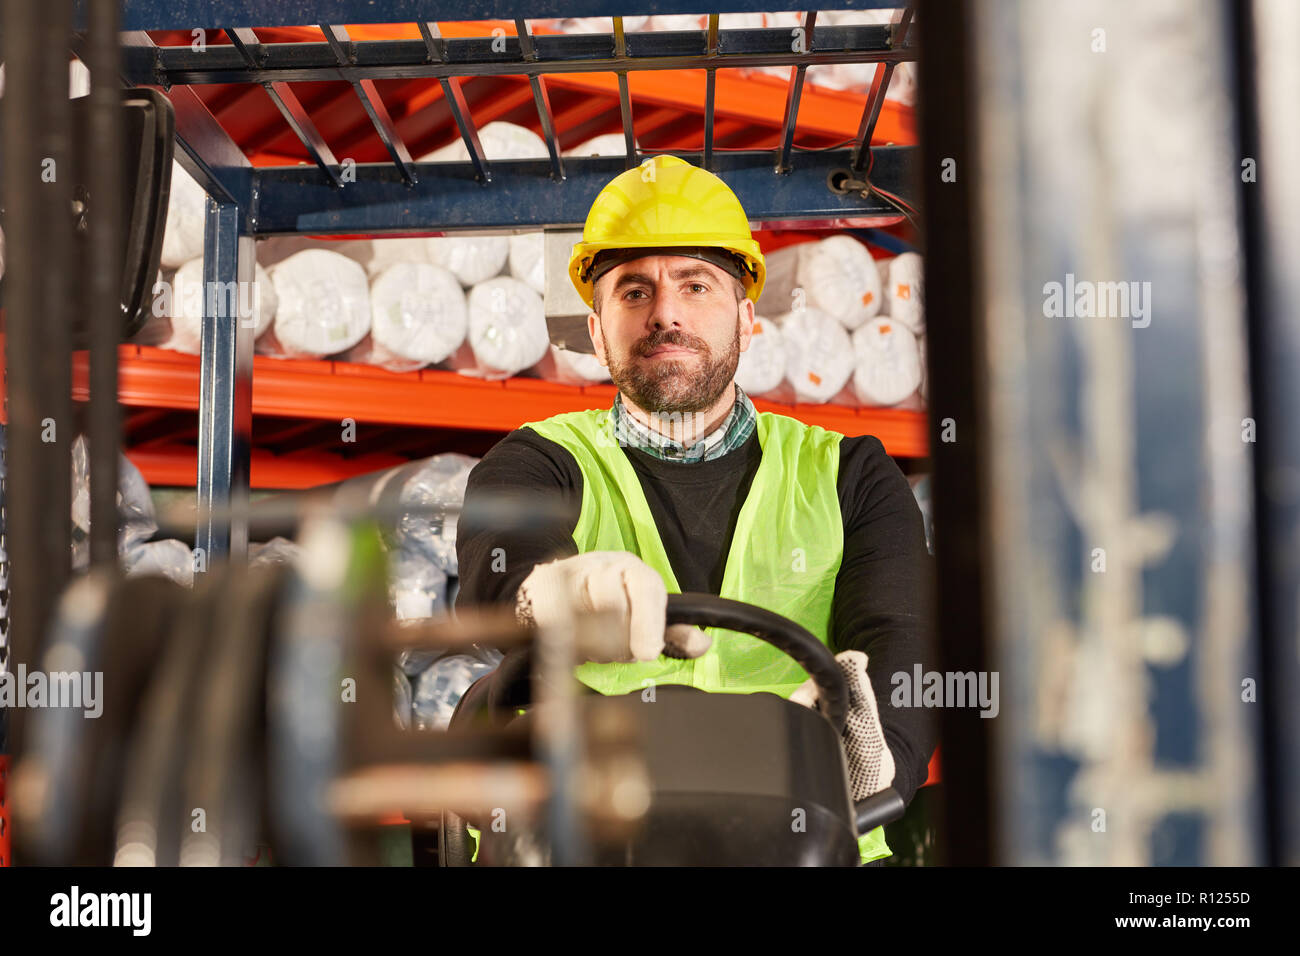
pixel 698 286
pixel 634 292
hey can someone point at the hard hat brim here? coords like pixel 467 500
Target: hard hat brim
pixel 742 259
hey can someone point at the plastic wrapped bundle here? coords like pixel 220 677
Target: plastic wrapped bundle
pixel 276 551
pixel 439 689
pixel 507 328
pixel 840 278
pixel 275 249
pixel 427 532
pixel 788 19
pixel 597 24
pixel 378 255
pixel 157 329
pixel 882 267
pixel 417 587
pixel 528 260
pixel 741 21
pixel 924 389
pixel 678 21
pixel 402 700
pixel 606 144
pixel 818 355
pixel 887 366
pixel 572 368
pixel 782 279
pixel 472 259
pixel 187 212
pixel 323 308
pixel 418 316
pixel 499 141
pixel 171 558
pixel 366 352
pixel 135 515
pixel 259 302
pixel 903 86
pixel 906 290
pixel 762 365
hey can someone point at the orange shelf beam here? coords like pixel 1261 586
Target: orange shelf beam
pixel 333 391
pixel 166 464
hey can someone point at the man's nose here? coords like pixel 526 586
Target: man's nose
pixel 664 314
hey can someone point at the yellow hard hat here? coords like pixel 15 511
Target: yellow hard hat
pixel 666 204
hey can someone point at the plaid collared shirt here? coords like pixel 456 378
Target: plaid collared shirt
pixel 728 436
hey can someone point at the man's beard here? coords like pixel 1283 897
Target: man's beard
pixel 674 385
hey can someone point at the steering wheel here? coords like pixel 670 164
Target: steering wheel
pixel 498 695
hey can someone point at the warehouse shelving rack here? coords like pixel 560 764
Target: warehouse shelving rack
pixel 331 196
pixel 152 378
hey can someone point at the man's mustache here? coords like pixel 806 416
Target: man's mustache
pixel 669 337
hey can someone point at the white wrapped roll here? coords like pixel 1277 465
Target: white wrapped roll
pixel 275 249
pixel 157 329
pixel 906 290
pixel 858 77
pixel 606 144
pixel 377 255
pixel 818 354
pixel 187 210
pixel 78 79
pixel 367 352
pixel 903 87
pixel 678 21
pixel 741 21
pixel 572 368
pixel 528 260
pixel 507 327
pixel 597 24
pixel 257 302
pixel 789 20
pixel 472 259
pixel 778 288
pixel 887 363
pixel 762 365
pixel 499 141
pixel 418 313
pixel 924 389
pixel 840 278
pixel 170 558
pixel 324 305
pixel 882 267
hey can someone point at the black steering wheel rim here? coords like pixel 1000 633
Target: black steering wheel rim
pixel 509 687
pixel 792 639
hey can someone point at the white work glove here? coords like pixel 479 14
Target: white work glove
pixel 871 765
pixel 615 581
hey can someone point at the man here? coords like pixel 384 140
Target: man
pixel 682 486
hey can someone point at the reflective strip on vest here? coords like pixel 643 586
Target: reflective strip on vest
pixel 785 553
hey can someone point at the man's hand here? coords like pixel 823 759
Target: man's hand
pixel 614 581
pixel 871 765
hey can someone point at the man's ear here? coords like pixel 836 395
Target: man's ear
pixel 597 338
pixel 746 320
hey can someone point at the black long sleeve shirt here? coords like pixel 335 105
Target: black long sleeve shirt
pixel 882 591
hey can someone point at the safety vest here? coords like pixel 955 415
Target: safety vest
pixel 785 554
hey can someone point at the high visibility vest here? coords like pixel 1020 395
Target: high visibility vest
pixel 785 554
